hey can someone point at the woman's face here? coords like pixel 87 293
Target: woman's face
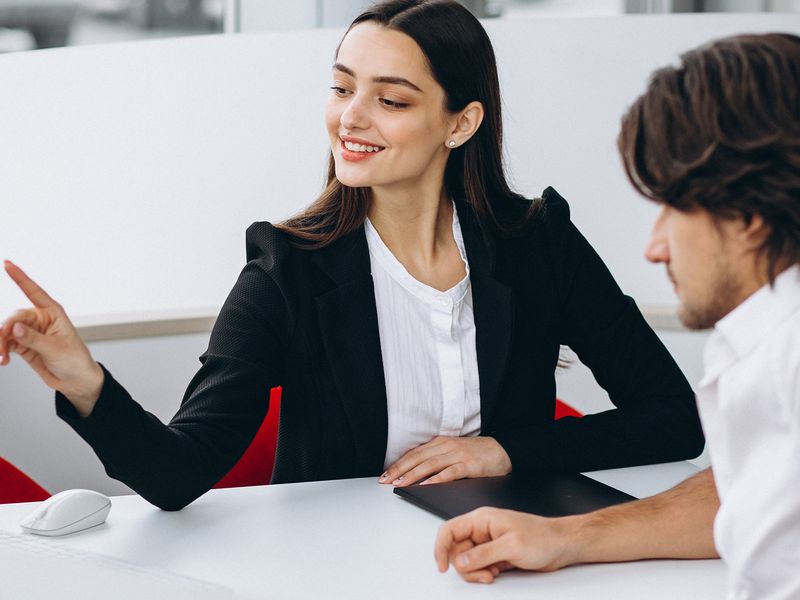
pixel 385 115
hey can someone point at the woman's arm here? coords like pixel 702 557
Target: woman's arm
pixel 223 407
pixel 169 465
pixel 655 419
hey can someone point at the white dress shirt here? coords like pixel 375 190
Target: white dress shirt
pixel 428 348
pixel 749 401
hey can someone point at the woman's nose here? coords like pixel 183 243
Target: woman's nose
pixel 355 115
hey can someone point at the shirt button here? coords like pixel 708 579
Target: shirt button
pixel 445 301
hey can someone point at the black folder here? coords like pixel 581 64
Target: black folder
pixel 547 495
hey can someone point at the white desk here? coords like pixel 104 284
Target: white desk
pixel 356 539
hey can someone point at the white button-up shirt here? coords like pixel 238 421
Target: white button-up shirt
pixel 428 347
pixel 749 401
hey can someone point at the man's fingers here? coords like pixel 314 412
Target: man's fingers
pixel 450 534
pixel 481 556
pixel 473 526
pixel 38 297
pixel 482 576
pixel 504 565
pixel 455 548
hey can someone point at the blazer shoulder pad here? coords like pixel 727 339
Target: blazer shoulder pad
pixel 554 221
pixel 266 244
pixel 556 209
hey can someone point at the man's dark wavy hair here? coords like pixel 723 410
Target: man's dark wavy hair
pixel 721 132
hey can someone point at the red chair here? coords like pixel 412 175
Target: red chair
pixel 255 465
pixel 565 410
pixel 15 486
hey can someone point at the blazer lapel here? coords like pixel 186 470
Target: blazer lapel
pixel 493 307
pixel 348 322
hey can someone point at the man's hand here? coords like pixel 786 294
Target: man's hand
pixel 487 541
pixel 449 458
pixel 677 523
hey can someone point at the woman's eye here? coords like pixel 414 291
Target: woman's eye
pixel 339 91
pixel 393 103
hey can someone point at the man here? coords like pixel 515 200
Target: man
pixel 716 142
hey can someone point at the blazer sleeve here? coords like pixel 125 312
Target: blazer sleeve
pixel 172 464
pixel 655 419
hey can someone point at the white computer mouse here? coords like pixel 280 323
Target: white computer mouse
pixel 67 512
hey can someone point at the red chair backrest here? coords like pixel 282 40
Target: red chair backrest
pixel 565 410
pixel 255 465
pixel 15 486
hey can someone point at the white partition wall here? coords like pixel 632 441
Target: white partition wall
pixel 129 172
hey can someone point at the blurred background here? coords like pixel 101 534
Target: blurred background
pixel 38 24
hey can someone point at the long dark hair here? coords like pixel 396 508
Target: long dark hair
pixel 721 132
pixel 461 60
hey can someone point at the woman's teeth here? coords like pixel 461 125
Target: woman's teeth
pixel 361 147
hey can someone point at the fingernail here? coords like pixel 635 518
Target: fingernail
pixel 398 480
pixel 426 482
pixel 19 330
pixel 462 560
pixel 383 477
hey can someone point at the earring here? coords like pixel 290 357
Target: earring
pixel 452 143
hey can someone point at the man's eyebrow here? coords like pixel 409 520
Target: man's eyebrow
pixel 383 79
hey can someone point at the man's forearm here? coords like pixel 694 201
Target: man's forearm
pixel 677 523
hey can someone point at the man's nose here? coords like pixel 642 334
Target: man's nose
pixel 657 249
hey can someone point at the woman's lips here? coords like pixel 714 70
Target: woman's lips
pixel 358 151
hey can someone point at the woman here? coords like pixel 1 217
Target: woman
pixel 413 314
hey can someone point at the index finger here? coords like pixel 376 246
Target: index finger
pixel 38 297
pixel 453 531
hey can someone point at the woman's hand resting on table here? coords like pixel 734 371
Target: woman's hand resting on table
pixel 44 336
pixel 449 458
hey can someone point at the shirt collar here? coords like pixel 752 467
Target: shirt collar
pixel 750 323
pixel 380 251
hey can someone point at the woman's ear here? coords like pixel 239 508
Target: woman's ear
pixel 467 122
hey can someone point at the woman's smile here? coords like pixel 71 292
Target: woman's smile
pixel 354 149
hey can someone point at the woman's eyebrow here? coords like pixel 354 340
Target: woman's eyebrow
pixel 382 79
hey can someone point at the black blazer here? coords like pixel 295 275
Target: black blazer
pixel 307 320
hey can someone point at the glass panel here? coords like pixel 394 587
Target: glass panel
pixel 36 24
pixel 273 15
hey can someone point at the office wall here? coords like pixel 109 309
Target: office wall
pixel 130 171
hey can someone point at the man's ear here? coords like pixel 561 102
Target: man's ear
pixel 467 122
pixel 755 232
